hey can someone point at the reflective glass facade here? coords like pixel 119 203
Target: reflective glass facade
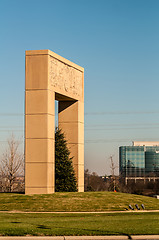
pixel 139 161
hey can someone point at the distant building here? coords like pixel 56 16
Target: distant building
pixel 140 161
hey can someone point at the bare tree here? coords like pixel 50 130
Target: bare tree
pixel 93 182
pixel 11 165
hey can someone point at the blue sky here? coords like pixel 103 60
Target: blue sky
pixel 116 41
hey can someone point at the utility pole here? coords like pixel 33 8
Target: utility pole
pixel 113 172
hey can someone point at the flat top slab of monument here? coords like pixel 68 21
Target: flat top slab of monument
pixel 48 70
pixel 54 55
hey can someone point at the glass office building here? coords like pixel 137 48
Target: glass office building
pixel 139 161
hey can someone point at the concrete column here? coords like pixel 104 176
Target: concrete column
pixel 71 121
pixel 39 127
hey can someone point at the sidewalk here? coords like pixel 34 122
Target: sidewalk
pixel 141 237
pixel 124 211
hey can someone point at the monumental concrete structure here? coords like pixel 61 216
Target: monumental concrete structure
pixel 50 77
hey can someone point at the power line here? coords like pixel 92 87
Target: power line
pixel 112 129
pixel 95 113
pixel 11 126
pixel 5 141
pixel 86 129
pixel 123 124
pixel 11 114
pixel 117 140
pixel 97 125
pixel 9 130
pixel 121 112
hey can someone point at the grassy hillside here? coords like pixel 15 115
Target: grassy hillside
pixel 88 201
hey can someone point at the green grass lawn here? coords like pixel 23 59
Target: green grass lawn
pixel 87 201
pixel 66 224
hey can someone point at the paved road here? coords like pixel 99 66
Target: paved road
pixel 128 211
pixel 147 237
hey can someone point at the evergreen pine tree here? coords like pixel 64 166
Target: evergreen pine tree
pixel 65 180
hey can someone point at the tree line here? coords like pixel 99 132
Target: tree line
pixel 12 172
pixel 93 182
